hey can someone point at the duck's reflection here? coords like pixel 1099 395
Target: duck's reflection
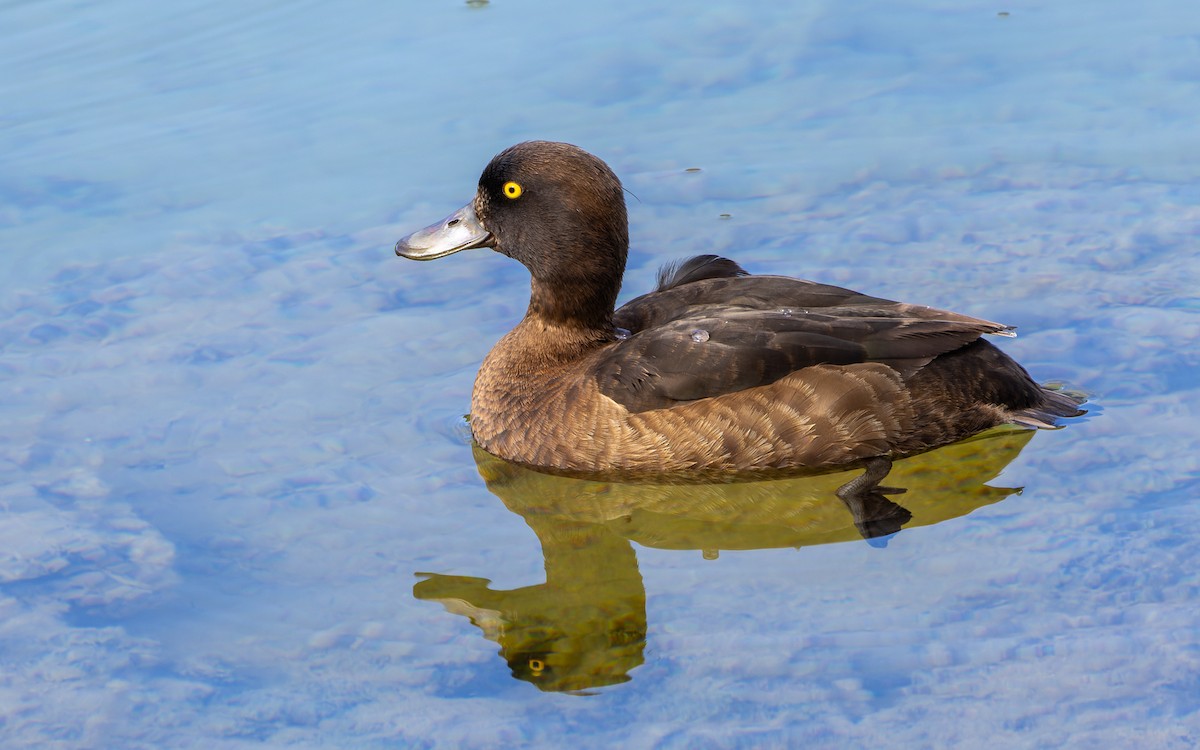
pixel 586 625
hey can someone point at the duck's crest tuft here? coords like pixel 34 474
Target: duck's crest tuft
pixel 697 268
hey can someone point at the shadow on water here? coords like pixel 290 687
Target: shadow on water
pixel 585 627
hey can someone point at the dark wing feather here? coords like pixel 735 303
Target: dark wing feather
pixel 704 335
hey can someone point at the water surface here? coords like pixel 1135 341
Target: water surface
pixel 233 419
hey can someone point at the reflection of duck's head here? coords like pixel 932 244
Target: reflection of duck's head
pixel 580 658
pixel 549 637
pixel 585 627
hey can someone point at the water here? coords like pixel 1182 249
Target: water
pixel 233 419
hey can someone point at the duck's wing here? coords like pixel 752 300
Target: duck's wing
pixel 721 334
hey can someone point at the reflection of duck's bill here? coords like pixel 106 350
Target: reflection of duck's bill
pixel 461 230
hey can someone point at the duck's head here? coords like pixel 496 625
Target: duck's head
pixel 557 209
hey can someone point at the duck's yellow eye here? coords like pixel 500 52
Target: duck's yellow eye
pixel 512 190
pixel 535 665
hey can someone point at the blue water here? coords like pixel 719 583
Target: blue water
pixel 233 418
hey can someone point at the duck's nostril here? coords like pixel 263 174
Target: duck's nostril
pixel 452 222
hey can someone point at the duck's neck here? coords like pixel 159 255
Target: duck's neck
pixel 539 341
pixel 583 305
pixel 569 316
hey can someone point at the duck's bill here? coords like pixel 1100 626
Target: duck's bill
pixel 460 230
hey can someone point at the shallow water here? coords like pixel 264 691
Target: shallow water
pixel 238 506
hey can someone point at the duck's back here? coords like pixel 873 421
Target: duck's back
pixel 710 329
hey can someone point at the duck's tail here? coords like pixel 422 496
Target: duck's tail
pixel 1055 404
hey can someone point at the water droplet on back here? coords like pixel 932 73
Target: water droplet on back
pixel 700 335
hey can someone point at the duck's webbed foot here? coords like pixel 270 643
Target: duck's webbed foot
pixel 874 515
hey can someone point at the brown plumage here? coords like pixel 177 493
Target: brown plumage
pixel 716 370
